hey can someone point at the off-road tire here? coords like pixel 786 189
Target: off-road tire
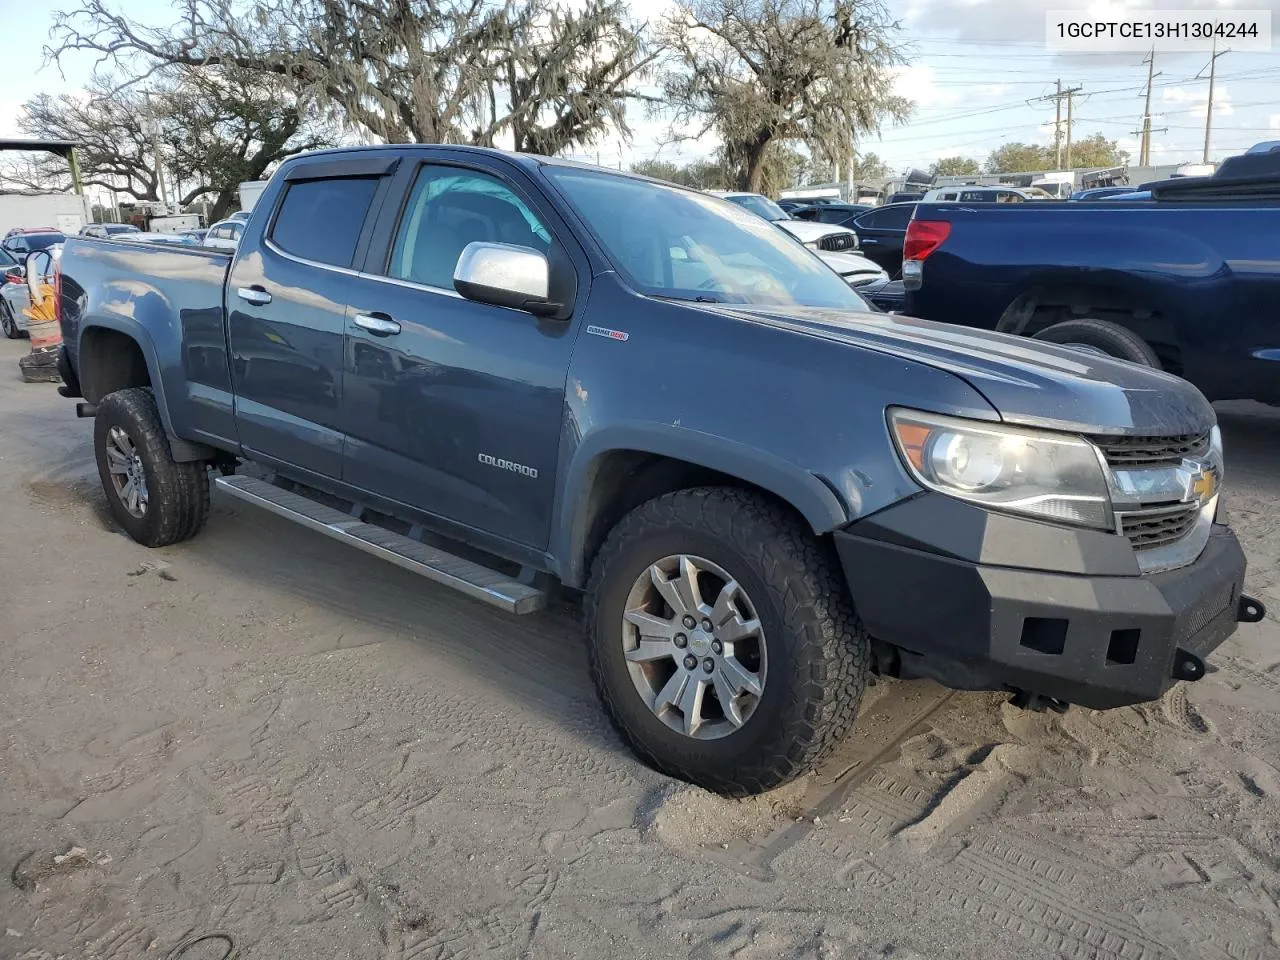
pixel 178 492
pixel 819 653
pixel 1111 338
pixel 9 323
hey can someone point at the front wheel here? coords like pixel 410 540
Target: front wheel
pixel 157 500
pixel 722 640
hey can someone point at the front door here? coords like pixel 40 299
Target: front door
pixel 451 406
pixel 286 305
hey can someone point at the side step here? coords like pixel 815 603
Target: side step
pixel 470 578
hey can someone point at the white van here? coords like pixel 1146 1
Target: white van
pixel 976 194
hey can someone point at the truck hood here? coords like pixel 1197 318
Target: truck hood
pixel 1028 382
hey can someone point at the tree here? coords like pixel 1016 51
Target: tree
pixel 1097 151
pixel 1092 151
pixel 215 128
pixel 955 167
pixel 1020 158
pixel 870 167
pixel 114 153
pixel 225 126
pixel 756 72
pixel 434 71
pixel 700 174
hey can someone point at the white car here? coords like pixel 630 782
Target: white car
pixel 14 295
pixel 819 237
pixel 224 235
pixel 836 246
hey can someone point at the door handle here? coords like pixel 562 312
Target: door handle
pixel 869 241
pixel 378 326
pixel 255 295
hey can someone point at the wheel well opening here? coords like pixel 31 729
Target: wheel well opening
pixel 110 361
pixel 624 479
pixel 1043 306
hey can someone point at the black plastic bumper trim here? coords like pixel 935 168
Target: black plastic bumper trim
pixel 976 626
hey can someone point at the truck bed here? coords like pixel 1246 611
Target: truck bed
pixel 1196 277
pixel 136 288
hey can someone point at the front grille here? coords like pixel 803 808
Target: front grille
pixel 838 241
pixel 1151 451
pixel 1157 526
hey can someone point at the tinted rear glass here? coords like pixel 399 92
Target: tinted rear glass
pixel 888 218
pixel 321 220
pixel 39 241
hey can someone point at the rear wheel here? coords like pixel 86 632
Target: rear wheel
pixel 1101 337
pixel 722 640
pixel 8 323
pixel 158 501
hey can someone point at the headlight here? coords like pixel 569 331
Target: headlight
pixel 1045 475
pixel 812 244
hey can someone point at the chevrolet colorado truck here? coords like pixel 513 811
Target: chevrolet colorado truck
pixel 1186 281
pixel 514 374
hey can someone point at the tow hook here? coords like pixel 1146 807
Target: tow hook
pixel 1250 610
pixel 1187 666
pixel 1038 702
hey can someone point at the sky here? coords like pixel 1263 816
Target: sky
pixel 975 70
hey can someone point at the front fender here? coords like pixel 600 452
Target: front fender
pixel 809 495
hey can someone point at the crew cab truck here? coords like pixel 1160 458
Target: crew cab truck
pixel 511 373
pixel 1186 281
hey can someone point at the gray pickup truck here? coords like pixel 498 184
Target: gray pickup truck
pixel 513 374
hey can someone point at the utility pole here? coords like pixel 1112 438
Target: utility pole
pixel 1208 114
pixel 152 129
pixel 1057 127
pixel 1069 94
pixel 1057 97
pixel 1144 153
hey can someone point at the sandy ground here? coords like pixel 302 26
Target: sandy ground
pixel 264 738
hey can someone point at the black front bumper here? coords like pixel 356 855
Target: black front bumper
pixel 985 601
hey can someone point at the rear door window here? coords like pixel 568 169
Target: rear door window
pixel 321 220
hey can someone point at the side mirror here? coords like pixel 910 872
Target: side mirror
pixel 39 266
pixel 505 275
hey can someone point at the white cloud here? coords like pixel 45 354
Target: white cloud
pixel 917 83
pixel 1193 101
pixel 1273 121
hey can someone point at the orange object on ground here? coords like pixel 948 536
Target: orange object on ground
pixel 41 365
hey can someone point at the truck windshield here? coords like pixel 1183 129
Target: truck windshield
pixel 683 245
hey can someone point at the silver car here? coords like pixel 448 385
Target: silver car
pixel 14 295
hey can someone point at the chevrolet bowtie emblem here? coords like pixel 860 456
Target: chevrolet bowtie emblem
pixel 1205 486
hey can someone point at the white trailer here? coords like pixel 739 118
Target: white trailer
pixel 66 212
pixel 250 190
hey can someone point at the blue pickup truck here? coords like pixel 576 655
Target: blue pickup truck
pixel 513 374
pixel 1188 281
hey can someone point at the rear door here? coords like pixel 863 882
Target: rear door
pixel 456 407
pixel 881 233
pixel 286 304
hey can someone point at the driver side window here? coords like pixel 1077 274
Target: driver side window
pixel 449 208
